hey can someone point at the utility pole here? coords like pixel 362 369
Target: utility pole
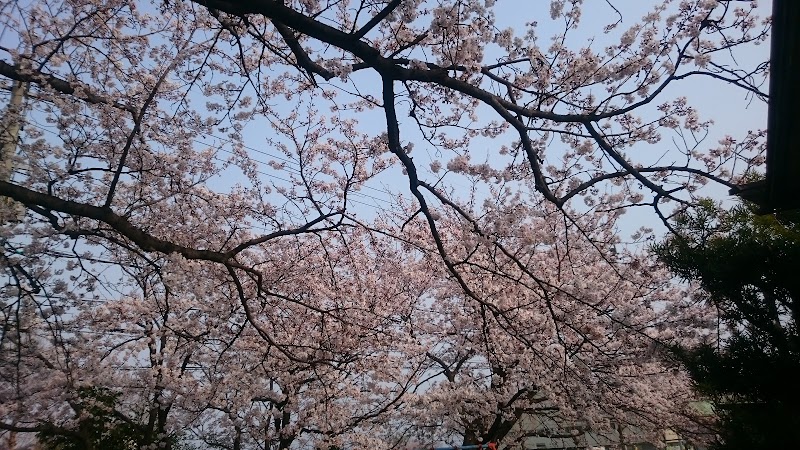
pixel 10 211
pixel 10 128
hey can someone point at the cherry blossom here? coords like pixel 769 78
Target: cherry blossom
pixel 313 224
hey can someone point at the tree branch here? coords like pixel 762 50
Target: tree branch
pixel 300 54
pixel 377 19
pixel 142 239
pixel 60 85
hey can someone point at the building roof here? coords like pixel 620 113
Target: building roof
pixel 781 188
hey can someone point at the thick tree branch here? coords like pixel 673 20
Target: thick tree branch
pixel 609 150
pixel 624 173
pixel 143 240
pixel 377 19
pixel 300 54
pixel 60 85
pixel 122 225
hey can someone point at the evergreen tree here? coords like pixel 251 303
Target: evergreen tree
pixel 747 266
pixel 97 428
pixel 101 427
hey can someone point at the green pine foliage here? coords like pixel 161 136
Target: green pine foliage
pixel 749 268
pixel 101 427
pixel 98 427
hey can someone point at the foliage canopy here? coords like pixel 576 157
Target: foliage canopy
pixel 361 224
pixel 747 267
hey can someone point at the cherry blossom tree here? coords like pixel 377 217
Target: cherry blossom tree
pixel 568 335
pixel 308 362
pixel 148 248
